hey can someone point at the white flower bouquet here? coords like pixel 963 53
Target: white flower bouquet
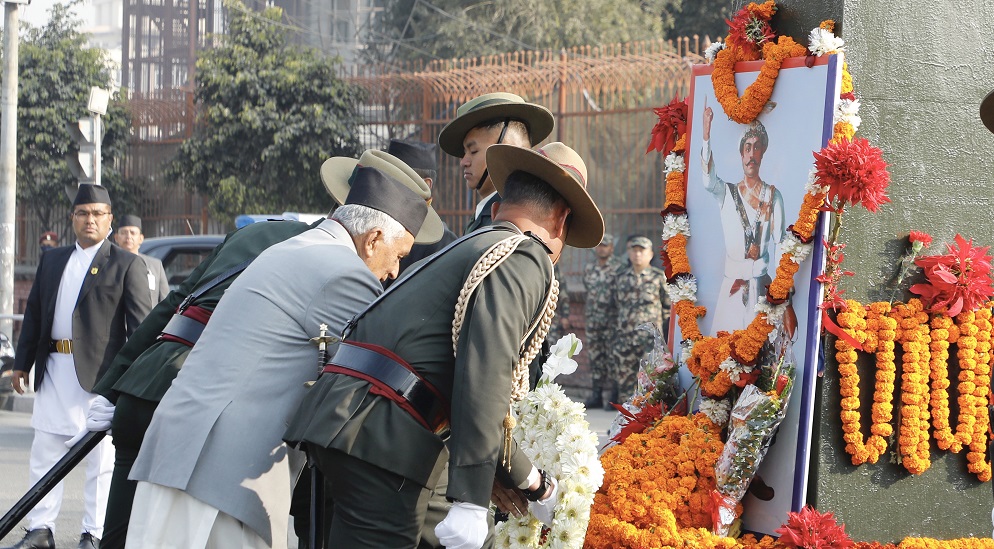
pixel 553 432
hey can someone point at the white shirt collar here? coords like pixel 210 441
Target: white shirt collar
pixel 483 202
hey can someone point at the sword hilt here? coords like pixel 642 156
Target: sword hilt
pixel 322 341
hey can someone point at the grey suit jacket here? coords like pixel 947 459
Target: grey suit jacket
pixel 112 302
pixel 217 431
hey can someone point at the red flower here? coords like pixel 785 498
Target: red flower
pixel 958 281
pixel 921 237
pixel 636 423
pixel 810 529
pixel 854 171
pixel 671 125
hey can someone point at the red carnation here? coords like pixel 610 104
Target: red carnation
pixel 854 171
pixel 958 281
pixel 810 529
pixel 920 237
pixel 671 125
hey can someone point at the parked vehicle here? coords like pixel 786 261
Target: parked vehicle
pixel 6 361
pixel 180 254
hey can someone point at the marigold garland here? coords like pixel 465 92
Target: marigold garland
pixel 745 109
pixel 913 333
pixel 853 322
pixel 977 456
pixel 939 373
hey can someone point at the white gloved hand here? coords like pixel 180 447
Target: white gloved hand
pixel 98 418
pixel 465 527
pixel 545 509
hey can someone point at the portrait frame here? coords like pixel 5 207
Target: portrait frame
pixel 800 123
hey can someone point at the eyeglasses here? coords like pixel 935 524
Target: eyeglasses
pixel 84 214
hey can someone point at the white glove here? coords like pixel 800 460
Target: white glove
pixel 98 418
pixel 465 527
pixel 545 509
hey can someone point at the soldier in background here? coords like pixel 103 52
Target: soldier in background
pixel 48 241
pixel 597 277
pixel 130 237
pixel 638 295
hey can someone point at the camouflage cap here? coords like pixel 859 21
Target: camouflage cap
pixel 640 241
pixel 607 240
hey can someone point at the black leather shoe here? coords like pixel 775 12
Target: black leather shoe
pixel 87 541
pixel 39 538
pixel 594 401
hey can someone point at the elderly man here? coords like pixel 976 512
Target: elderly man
pixel 130 237
pixel 382 448
pixel 85 302
pixel 212 469
pixel 484 121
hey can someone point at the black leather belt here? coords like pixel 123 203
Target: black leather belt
pixel 404 383
pixel 185 328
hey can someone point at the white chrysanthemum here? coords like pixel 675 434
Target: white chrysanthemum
pixel 734 368
pixel 848 111
pixel 822 41
pixel 772 312
pixel 712 51
pixel 798 250
pixel 716 410
pixel 674 225
pixel 674 163
pixel 683 288
pixel 813 186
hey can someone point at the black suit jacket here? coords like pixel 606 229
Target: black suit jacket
pixel 486 217
pixel 113 300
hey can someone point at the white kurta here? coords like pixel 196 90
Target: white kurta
pixel 735 310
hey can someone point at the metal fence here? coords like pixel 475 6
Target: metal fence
pixel 602 98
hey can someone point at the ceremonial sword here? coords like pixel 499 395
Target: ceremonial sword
pixel 316 526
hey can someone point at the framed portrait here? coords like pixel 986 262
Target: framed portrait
pixel 745 184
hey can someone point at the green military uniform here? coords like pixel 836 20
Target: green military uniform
pixel 365 443
pixel 635 300
pixel 145 367
pixel 599 322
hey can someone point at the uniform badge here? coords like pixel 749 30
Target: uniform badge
pixel 93 271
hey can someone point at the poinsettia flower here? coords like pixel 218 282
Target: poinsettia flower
pixel 809 529
pixel 671 125
pixel 957 281
pixel 855 172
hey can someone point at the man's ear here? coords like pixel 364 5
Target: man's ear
pixel 562 220
pixel 370 241
pixel 494 208
pixel 429 181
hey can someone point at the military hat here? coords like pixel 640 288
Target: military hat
pixel 640 241
pixel 563 170
pixel 420 156
pixel 491 106
pixel 88 194
pixel 987 111
pixel 50 237
pixel 130 221
pixel 374 189
pixel 607 240
pixel 337 172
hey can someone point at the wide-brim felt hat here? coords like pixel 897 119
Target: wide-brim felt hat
pixel 562 169
pixel 337 171
pixel 987 111
pixel 492 106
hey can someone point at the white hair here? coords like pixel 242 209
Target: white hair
pixel 358 219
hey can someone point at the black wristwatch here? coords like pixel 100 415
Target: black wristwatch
pixel 543 487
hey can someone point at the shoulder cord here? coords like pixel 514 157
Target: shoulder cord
pixel 539 328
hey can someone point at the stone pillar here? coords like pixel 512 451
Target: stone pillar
pixel 921 71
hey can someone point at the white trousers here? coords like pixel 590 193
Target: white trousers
pixel 46 450
pixel 167 518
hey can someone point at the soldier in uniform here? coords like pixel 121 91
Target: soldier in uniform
pixel 597 277
pixel 638 295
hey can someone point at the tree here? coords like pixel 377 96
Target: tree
pixel 425 29
pixel 56 71
pixel 704 18
pixel 270 113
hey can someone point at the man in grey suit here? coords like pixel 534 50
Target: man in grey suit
pixel 426 376
pixel 129 236
pixel 87 299
pixel 212 470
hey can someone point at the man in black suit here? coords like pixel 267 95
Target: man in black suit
pixel 85 302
